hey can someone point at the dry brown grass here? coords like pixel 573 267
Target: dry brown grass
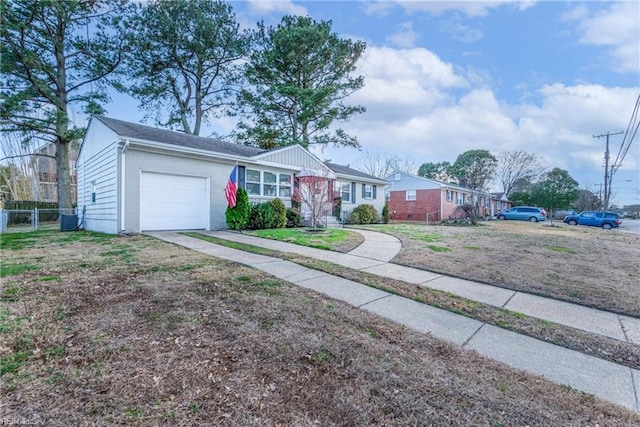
pixel 585 265
pixel 139 332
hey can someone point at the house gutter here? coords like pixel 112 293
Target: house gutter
pixel 123 183
pixel 189 150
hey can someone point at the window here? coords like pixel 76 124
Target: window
pixel 345 191
pixel 284 181
pixel 449 196
pixel 411 195
pixel 269 186
pixel 93 191
pixel 397 177
pixel 459 198
pixel 367 191
pixel 253 182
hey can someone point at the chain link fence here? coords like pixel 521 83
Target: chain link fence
pixel 23 220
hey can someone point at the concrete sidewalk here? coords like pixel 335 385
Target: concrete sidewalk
pixel 377 248
pixel 607 380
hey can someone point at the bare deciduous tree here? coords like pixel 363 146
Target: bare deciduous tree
pixel 382 164
pixel 587 201
pixel 314 192
pixel 18 174
pixel 517 166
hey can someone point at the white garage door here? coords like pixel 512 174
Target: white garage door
pixel 173 202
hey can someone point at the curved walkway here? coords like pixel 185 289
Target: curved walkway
pixel 607 380
pixel 378 246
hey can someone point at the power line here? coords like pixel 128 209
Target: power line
pixel 627 140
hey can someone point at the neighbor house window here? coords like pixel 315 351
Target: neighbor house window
pixel 460 199
pixel 411 195
pixel 284 182
pixel 252 182
pixel 449 196
pixel 344 190
pixel 367 192
pixel 269 186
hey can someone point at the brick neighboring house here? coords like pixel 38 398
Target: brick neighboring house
pixel 415 198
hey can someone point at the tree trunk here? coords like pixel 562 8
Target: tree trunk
pixel 63 179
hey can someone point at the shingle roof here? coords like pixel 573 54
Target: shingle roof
pixel 148 133
pixel 346 170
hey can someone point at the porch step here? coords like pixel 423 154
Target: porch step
pixel 332 222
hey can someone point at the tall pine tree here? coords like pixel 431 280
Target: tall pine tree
pixel 300 77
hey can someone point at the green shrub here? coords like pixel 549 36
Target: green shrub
pixel 364 214
pixel 280 213
pixel 385 213
pixel 293 217
pixel 238 216
pixel 262 216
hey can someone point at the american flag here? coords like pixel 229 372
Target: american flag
pixel 232 187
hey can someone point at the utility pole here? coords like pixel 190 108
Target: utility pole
pixel 607 175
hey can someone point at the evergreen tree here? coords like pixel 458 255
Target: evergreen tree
pixel 56 54
pixel 238 216
pixel 300 76
pixel 185 62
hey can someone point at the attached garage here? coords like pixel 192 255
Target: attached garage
pixel 173 202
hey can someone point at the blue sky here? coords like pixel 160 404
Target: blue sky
pixel 442 78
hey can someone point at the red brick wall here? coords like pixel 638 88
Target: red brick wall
pixel 427 201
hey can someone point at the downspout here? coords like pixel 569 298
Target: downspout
pixel 122 185
pixel 443 196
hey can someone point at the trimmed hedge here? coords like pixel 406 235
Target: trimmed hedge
pixel 364 214
pixel 293 218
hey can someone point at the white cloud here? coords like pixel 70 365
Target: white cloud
pixel 404 37
pixel 617 28
pixel 421 108
pixel 377 7
pixel 461 31
pixel 399 83
pixel 474 8
pixel 285 7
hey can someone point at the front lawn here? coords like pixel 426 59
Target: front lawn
pixel 330 239
pixel 107 330
pixel 589 266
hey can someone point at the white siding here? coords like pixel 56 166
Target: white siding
pixel 99 171
pixel 377 203
pixel 294 156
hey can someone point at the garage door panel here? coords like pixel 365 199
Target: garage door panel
pixel 172 202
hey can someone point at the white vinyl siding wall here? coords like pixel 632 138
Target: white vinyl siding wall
pixel 99 172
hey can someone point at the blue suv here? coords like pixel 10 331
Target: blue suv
pixel 524 213
pixel 606 220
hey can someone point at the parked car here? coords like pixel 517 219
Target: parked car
pixel 524 213
pixel 563 214
pixel 605 220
